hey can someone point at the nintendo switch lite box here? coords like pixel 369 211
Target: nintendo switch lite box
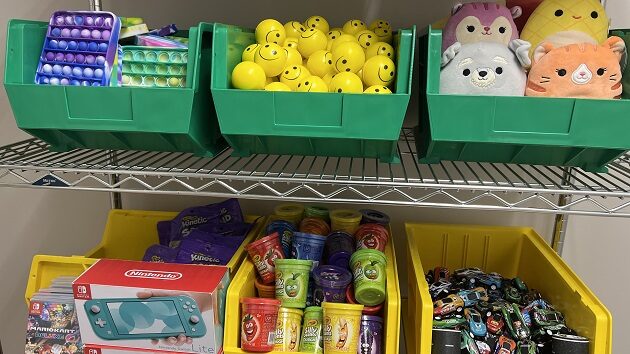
pixel 152 307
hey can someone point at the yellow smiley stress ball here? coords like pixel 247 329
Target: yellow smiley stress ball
pixel 379 70
pixel 353 26
pixel 249 52
pixel 293 57
pixel 270 31
pixel 346 83
pixel 320 63
pixel 312 84
pixel 379 23
pixel 366 38
pixel 272 58
pixel 380 48
pixel 317 22
pixel 277 86
pixel 293 75
pixel 248 76
pixel 293 29
pixel 378 89
pixel 311 41
pixel 342 39
pixel 384 34
pixel 563 22
pixel 348 57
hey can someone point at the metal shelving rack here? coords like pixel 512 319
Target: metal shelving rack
pixel 462 185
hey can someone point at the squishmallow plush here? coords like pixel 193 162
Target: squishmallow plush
pixel 485 68
pixel 564 22
pixel 528 7
pixel 480 22
pixel 578 70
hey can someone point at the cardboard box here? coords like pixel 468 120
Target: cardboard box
pixel 153 307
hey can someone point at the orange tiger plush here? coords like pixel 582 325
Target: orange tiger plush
pixel 578 70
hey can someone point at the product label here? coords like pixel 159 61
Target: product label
pixel 258 329
pixel 265 264
pixel 290 287
pixel 312 339
pixel 370 241
pixel 340 333
pixel 287 335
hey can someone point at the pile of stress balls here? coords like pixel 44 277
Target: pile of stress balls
pixel 312 57
pixel 495 314
pixel 322 275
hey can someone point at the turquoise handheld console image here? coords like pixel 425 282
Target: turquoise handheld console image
pixel 152 318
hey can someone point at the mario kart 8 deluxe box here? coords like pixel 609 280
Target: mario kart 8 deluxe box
pixel 151 307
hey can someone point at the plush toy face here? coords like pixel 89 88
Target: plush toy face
pixel 484 68
pixel 564 22
pixel 480 22
pixel 578 70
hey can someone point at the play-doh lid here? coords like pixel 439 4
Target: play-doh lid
pixel 330 276
pixel 346 215
pixel 367 253
pixel 290 311
pixel 260 301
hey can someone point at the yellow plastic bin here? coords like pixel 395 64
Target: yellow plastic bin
pixel 243 286
pixel 44 269
pixel 127 235
pixel 511 251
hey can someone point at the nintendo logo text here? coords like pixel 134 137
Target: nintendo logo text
pixel 152 274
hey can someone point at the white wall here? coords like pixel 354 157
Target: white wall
pixel 65 223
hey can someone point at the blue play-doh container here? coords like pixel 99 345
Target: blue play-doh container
pixel 285 229
pixel 308 246
pixel 338 249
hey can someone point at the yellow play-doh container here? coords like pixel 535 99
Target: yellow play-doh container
pixel 288 330
pixel 290 212
pixel 342 323
pixel 345 220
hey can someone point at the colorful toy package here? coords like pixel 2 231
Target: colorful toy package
pixel 153 307
pixel 80 49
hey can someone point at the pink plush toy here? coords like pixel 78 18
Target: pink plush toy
pixel 481 22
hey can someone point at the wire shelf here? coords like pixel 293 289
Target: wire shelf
pixel 466 185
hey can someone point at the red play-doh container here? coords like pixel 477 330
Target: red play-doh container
pixel 258 322
pixel 265 290
pixel 367 310
pixel 371 236
pixel 263 254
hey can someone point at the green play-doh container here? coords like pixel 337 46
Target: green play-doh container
pixel 368 267
pixel 312 340
pixel 292 277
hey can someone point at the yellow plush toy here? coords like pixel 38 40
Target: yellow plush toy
pixel 564 22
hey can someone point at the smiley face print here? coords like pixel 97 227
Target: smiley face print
pixel 272 58
pixel 293 75
pixel 366 38
pixel 379 70
pixel 348 57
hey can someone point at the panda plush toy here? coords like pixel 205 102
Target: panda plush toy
pixel 485 68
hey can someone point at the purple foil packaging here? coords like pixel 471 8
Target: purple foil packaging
pixel 194 251
pixel 161 254
pixel 227 212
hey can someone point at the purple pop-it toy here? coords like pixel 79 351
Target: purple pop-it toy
pixel 74 38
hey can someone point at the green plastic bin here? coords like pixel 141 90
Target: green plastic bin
pixel 530 130
pixel 320 124
pixel 117 118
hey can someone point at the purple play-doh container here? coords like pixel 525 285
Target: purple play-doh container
pixel 330 284
pixel 338 249
pixel 371 335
